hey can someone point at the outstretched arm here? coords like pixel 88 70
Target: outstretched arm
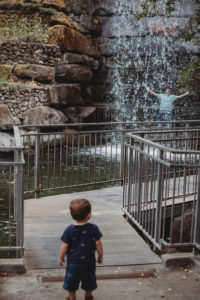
pixel 180 96
pixel 148 89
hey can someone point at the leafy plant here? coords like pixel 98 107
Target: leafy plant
pixel 25 26
pixel 13 85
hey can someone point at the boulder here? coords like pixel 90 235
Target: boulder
pixel 75 138
pixel 92 24
pixel 46 140
pixel 44 115
pixel 6 119
pixel 61 18
pixel 60 4
pixel 187 223
pixel 73 73
pixel 88 94
pixel 32 71
pixel 78 114
pixel 65 94
pixel 170 26
pixel 72 40
pixel 72 58
pixel 6 140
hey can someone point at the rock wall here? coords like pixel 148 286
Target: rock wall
pixel 20 100
pixel 25 52
pixel 58 73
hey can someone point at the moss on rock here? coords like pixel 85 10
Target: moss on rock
pixel 5 71
pixel 69 39
pixel 20 69
pixel 60 4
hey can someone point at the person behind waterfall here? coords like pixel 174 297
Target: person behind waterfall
pixel 166 104
pixel 79 243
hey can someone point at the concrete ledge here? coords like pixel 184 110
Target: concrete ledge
pixel 177 260
pixel 15 265
pixel 196 263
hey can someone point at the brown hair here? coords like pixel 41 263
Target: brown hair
pixel 80 208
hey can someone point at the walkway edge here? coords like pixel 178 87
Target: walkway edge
pixel 178 260
pixel 15 265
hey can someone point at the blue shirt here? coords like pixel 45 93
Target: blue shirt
pixel 166 102
pixel 81 240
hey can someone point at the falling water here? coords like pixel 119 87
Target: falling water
pixel 145 52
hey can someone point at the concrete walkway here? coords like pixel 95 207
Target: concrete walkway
pixel 131 270
pixel 46 218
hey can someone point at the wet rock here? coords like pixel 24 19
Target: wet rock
pixel 44 115
pixel 75 138
pixel 168 26
pixel 6 140
pixel 61 18
pixel 32 71
pixel 78 114
pixel 72 58
pixel 187 223
pixel 73 73
pixel 117 27
pixel 92 24
pixel 65 94
pixel 6 119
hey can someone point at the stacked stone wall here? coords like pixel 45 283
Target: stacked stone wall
pixel 20 100
pixel 34 53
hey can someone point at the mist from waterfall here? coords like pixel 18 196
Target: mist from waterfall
pixel 145 52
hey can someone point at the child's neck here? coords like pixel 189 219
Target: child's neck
pixel 83 222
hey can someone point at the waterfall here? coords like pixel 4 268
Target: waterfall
pixel 144 52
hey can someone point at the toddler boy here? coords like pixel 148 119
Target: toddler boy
pixel 80 241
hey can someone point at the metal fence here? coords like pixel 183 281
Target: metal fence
pixel 77 155
pixel 162 186
pixel 54 157
pixel 11 198
pixel 106 112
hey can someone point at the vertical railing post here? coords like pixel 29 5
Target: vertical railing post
pixel 159 198
pixel 197 214
pixel 122 156
pixel 130 179
pixel 125 176
pixel 19 203
pixel 37 164
pixel 139 187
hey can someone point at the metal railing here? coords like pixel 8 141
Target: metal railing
pixel 47 158
pixel 162 186
pixel 106 112
pixel 11 196
pixel 86 154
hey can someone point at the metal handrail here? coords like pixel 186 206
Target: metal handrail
pixel 160 147
pixel 158 187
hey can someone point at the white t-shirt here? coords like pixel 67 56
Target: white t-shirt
pixel 166 102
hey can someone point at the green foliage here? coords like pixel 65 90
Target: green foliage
pixel 190 77
pixel 48 10
pixel 24 26
pixel 70 2
pixel 150 7
pixel 13 85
